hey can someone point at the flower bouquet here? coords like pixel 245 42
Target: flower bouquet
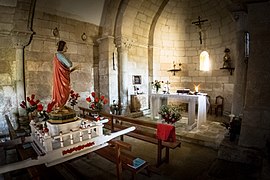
pixel 157 85
pixel 96 103
pixel 170 114
pixel 34 108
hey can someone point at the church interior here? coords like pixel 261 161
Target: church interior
pixel 136 55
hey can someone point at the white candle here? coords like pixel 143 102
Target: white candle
pixel 89 132
pixel 71 137
pixel 196 89
pixel 80 136
pixel 61 140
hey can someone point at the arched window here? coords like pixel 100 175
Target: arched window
pixel 204 61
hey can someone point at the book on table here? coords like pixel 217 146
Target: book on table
pixel 26 145
pixel 136 163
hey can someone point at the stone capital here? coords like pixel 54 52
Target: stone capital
pixel 106 38
pixel 123 42
pixel 21 39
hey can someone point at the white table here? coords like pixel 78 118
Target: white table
pixel 159 99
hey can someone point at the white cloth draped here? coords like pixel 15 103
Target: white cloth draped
pixel 201 110
pixel 158 99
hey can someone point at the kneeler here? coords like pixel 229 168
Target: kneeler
pixel 165 132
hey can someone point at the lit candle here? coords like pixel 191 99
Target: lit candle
pixel 197 88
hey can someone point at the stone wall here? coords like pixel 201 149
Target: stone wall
pixel 255 131
pixel 39 54
pixel 7 61
pixel 176 39
pixel 38 57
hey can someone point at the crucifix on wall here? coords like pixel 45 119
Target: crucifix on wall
pixel 199 23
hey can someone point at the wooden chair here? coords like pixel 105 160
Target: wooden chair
pixel 219 103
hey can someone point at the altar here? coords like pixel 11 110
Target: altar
pixel 160 99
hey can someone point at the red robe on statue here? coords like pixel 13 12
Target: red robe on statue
pixel 61 83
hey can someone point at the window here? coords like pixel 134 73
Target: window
pixel 204 61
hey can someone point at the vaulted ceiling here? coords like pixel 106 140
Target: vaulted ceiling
pixel 91 10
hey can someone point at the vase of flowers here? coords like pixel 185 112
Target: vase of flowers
pixel 115 108
pixel 170 114
pixel 95 102
pixel 34 108
pixel 156 85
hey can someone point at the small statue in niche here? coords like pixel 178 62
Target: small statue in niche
pixel 227 59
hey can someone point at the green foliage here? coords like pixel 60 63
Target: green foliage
pixel 170 113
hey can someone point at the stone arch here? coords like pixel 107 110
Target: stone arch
pixel 109 17
pixel 125 37
pixel 125 18
pixel 139 25
pixel 151 39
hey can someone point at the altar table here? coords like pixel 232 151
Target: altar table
pixel 160 99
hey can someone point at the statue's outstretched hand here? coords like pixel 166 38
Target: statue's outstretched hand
pixel 75 68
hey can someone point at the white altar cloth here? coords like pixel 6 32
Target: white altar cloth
pixel 159 99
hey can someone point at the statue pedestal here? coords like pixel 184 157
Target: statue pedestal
pixel 55 129
pixel 63 120
pixel 64 116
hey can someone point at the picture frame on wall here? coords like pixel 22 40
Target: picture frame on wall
pixel 137 79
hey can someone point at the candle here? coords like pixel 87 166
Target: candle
pixel 196 87
pixel 89 132
pixel 71 137
pixel 81 136
pixel 61 139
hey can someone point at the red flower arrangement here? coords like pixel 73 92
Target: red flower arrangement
pixel 35 105
pixel 170 114
pixel 95 102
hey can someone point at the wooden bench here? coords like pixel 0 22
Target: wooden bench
pixel 21 152
pixel 118 152
pixel 145 131
pixel 17 136
pixel 35 172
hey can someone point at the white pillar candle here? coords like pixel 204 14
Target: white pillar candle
pixel 71 137
pixel 81 135
pixel 89 132
pixel 61 139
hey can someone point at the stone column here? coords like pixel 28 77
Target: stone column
pixel 20 40
pixel 123 44
pixel 255 128
pixel 240 64
pixel 108 80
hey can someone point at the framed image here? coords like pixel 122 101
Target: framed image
pixel 137 79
